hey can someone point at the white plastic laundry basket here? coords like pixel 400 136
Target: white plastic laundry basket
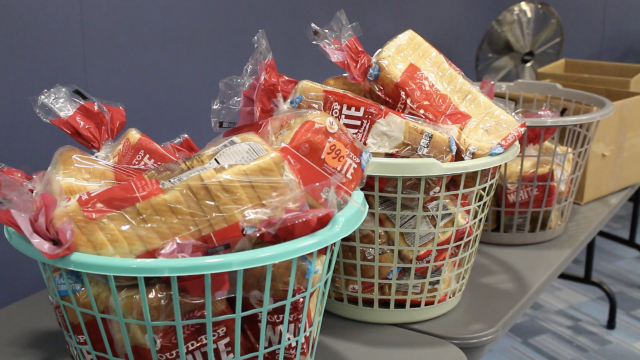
pixel 382 273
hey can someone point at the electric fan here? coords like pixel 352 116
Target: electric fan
pixel 525 37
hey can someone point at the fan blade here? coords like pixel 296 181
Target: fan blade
pixel 497 40
pixel 545 35
pixel 551 47
pixel 499 68
pixel 524 37
pixel 518 24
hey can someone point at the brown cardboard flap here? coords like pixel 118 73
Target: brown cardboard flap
pixel 611 94
pixel 613 160
pixel 597 73
pixel 601 68
pixel 594 68
pixel 602 81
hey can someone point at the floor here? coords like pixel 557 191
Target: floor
pixel 567 322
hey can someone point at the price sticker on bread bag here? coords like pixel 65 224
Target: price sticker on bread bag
pixel 334 154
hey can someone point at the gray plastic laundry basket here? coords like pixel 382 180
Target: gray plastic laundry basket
pixel 535 190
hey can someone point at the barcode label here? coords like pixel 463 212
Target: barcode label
pixel 370 253
pixel 187 174
pixel 240 154
pixel 405 287
pixel 387 204
pixel 410 222
pixel 224 145
pixel 434 206
pixel 232 153
pixel 437 273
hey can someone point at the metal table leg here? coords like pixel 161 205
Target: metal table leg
pixel 588 280
pixel 631 240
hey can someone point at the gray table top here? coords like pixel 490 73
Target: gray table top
pixel 29 331
pixel 347 339
pixel 506 280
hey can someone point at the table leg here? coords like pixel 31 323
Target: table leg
pixel 631 240
pixel 587 279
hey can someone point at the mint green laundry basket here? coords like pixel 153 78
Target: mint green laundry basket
pixel 197 308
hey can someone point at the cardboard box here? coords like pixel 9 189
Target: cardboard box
pixel 594 73
pixel 613 162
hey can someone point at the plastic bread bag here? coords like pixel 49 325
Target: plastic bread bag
pixel 562 166
pixel 73 171
pixel 553 178
pixel 431 188
pixel 95 124
pixel 318 147
pixel 292 223
pixel 163 342
pixel 15 193
pixel 411 186
pixel 413 77
pixel 181 147
pixel 203 198
pixel 383 131
pixel 436 229
pixel 222 285
pixel 538 135
pixel 487 86
pixel 31 214
pixel 530 184
pixel 18 176
pixel 70 283
pixel 472 179
pixel 254 95
pixel 339 41
pixel 278 223
pixel 420 80
pixel 361 89
pixel 352 251
pixel 308 273
pixel 134 148
pixel 421 290
pixel 89 121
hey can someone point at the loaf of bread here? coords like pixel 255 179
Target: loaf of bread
pixel 415 291
pixel 436 228
pixel 136 149
pixel 342 82
pixel 307 277
pixel 544 177
pixel 160 302
pixel 412 187
pixel 322 150
pixel 188 199
pixel 562 166
pixel 81 325
pixel 73 171
pixel 367 255
pixel 383 131
pixel 420 80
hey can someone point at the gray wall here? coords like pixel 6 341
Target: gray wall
pixel 163 60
